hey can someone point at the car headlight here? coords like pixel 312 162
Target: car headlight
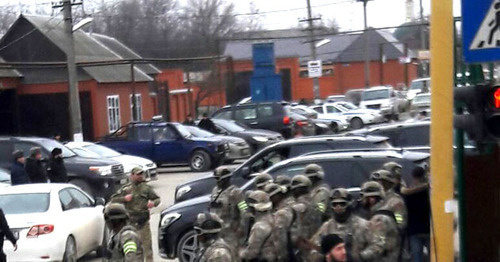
pixel 182 191
pixel 101 170
pixel 168 219
pixel 260 139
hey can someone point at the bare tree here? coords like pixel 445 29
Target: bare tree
pixel 8 16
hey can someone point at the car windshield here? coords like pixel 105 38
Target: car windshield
pixel 198 132
pixel 102 150
pixel 182 130
pixel 422 99
pixel 85 153
pixel 24 203
pixel 51 144
pixel 375 94
pixel 418 85
pixel 231 126
pixel 348 105
pixel 4 176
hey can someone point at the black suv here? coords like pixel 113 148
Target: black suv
pixel 176 237
pixel 98 177
pixel 276 153
pixel 269 115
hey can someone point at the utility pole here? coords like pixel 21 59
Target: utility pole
pixel 423 45
pixel 74 97
pixel 367 47
pixel 135 117
pixel 310 28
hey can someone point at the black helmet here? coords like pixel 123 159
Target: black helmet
pixel 223 172
pixel 115 211
pixel 208 223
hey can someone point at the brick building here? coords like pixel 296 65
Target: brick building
pixel 35 100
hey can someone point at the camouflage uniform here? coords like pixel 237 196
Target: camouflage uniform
pixel 214 248
pixel 260 246
pixel 124 245
pixel 354 231
pixel 320 192
pixel 393 201
pixel 138 210
pixel 385 243
pixel 261 180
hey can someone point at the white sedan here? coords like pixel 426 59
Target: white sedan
pixel 52 222
pixel 356 118
pixel 89 149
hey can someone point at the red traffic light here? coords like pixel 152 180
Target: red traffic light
pixel 496 97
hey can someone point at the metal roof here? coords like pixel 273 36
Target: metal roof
pixel 87 49
pixel 9 72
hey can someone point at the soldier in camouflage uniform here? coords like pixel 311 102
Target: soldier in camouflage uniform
pixel 261 180
pixel 259 246
pixel 385 242
pixel 320 192
pixel 351 228
pixel 228 202
pixel 393 201
pixel 283 218
pixel 212 248
pixel 307 218
pixel 138 197
pixel 124 244
pixel 285 182
pixel 397 170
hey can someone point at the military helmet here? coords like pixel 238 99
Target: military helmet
pixel 273 189
pixel 262 179
pixel 314 170
pixel 284 181
pixel 372 188
pixel 208 223
pixel 300 181
pixel 394 168
pixel 259 200
pixel 341 195
pixel 383 175
pixel 137 170
pixel 223 172
pixel 115 211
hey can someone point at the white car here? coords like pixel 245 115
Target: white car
pixel 338 120
pixel 92 150
pixel 367 116
pixel 418 86
pixel 382 98
pixel 4 178
pixel 52 222
pixel 356 119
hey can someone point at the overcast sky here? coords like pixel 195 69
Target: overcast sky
pixel 279 14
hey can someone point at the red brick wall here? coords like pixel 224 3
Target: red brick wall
pixel 9 83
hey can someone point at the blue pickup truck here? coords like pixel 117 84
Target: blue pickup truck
pixel 167 143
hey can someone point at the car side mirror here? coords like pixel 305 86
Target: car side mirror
pixel 99 201
pixel 245 171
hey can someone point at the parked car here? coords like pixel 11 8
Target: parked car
pixel 335 98
pixel 276 153
pixel 383 98
pixel 97 177
pixel 354 96
pixel 421 102
pixel 269 115
pixel 167 143
pixel 302 124
pixel 176 237
pixel 336 123
pixel 238 147
pixel 321 127
pixel 4 177
pixel 368 116
pixel 52 222
pixel 86 149
pixel 256 138
pixel 420 85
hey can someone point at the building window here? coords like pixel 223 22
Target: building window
pixel 138 109
pixel 113 112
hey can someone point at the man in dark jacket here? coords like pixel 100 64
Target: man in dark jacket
pixel 207 124
pixel 5 233
pixel 57 171
pixel 18 175
pixel 189 121
pixel 34 166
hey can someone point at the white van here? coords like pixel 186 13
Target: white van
pixel 420 85
pixel 381 98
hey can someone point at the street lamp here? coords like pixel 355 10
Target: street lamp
pixel 367 45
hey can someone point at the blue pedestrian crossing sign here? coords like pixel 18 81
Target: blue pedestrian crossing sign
pixel 481 30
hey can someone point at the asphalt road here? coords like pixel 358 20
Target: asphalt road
pixel 168 179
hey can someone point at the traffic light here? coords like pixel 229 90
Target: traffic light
pixel 481 120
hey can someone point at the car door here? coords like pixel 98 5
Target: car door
pixel 77 219
pixel 413 136
pixel 168 145
pixel 139 141
pixel 247 115
pixel 268 118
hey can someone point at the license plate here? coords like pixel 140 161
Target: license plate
pixel 123 181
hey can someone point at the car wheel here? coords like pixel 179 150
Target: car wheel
pixel 356 123
pixel 200 161
pixel 70 250
pixel 334 127
pixel 83 185
pixel 187 246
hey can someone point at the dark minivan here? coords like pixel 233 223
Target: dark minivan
pixel 98 177
pixel 269 115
